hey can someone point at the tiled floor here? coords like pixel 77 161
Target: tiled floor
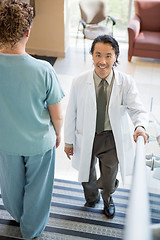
pixel 146 73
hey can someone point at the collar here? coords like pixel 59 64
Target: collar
pixel 97 79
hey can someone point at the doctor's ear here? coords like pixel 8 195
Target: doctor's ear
pixel 116 61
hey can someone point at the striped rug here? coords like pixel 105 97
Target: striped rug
pixel 70 220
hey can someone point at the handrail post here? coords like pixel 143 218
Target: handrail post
pixel 138 213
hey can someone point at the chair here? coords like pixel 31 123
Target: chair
pixel 144 30
pixel 92 17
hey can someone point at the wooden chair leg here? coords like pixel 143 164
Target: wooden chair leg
pixel 129 58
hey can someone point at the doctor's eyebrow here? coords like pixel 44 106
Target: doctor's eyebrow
pixel 97 53
pixel 106 54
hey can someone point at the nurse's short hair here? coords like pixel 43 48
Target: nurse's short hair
pixel 15 19
pixel 107 39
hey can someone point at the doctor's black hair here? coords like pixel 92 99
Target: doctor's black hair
pixel 107 39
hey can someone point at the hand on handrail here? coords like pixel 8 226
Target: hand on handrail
pixel 140 131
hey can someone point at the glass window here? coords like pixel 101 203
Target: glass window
pixel 121 10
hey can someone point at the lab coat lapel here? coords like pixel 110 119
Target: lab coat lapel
pixel 91 87
pixel 115 94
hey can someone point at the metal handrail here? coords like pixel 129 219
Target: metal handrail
pixel 138 214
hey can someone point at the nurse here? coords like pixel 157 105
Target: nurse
pixel 29 131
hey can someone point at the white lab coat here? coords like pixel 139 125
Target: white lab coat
pixel 80 121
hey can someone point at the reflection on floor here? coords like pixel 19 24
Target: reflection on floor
pixel 146 73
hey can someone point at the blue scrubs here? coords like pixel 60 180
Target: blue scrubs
pixel 27 139
pixel 26 186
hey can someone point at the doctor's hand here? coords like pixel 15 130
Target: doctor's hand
pixel 69 151
pixel 140 131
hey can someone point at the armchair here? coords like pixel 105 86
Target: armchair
pixel 144 30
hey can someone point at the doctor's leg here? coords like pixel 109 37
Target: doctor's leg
pixel 108 163
pixel 91 192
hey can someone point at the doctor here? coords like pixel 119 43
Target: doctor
pixel 96 124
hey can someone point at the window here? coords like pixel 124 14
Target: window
pixel 121 10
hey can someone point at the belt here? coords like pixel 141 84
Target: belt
pixel 104 132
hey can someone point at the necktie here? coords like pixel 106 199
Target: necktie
pixel 101 107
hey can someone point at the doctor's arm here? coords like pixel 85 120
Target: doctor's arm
pixel 136 111
pixel 70 122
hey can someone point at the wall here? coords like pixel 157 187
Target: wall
pixel 48 30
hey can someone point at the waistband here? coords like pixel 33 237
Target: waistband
pixel 104 132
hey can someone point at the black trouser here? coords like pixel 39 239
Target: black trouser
pixel 105 150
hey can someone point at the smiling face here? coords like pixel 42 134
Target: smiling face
pixel 103 57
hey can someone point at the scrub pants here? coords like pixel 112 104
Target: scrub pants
pixel 26 187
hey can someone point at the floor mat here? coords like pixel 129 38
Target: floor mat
pixel 51 60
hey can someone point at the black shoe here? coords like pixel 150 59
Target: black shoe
pixel 92 204
pixel 109 210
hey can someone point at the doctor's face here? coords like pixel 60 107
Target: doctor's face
pixel 103 58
